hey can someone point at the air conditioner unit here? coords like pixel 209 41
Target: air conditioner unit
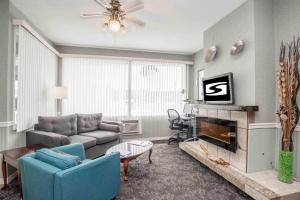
pixel 131 127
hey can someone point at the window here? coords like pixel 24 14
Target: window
pixel 33 60
pixel 200 84
pixel 157 87
pixel 122 88
pixel 96 85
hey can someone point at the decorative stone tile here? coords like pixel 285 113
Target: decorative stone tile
pixel 224 154
pixel 241 118
pixel 243 138
pixel 212 150
pixel 224 114
pixel 238 159
pixel 259 185
pixel 202 112
pixel 212 113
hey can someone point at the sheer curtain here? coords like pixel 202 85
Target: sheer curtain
pixel 96 86
pixel 36 71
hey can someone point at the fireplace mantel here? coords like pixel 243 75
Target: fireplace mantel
pixel 228 107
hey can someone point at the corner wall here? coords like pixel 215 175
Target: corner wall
pixel 286 26
pixel 263 24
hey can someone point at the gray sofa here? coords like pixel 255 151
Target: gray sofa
pixel 88 129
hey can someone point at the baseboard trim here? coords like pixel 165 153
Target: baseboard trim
pixel 9 178
pixel 271 125
pixel 156 138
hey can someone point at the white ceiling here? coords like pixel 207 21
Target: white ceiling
pixel 175 26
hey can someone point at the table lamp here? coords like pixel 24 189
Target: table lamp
pixel 59 93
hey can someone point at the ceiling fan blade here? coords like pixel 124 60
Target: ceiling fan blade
pixel 93 15
pixel 135 21
pixel 134 9
pixel 102 4
pixel 132 5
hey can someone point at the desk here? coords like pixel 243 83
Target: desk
pixel 189 120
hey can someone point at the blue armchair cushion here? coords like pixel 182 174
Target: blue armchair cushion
pixel 57 158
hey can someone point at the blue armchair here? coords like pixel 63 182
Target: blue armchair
pixel 97 179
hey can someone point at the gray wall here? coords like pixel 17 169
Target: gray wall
pixel 5 51
pixel 265 84
pixel 237 25
pixel 263 24
pixel 286 26
pixel 253 70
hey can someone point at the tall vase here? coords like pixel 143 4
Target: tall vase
pixel 286 159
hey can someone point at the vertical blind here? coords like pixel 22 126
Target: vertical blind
pixel 124 90
pixel 95 85
pixel 36 71
pixel 156 87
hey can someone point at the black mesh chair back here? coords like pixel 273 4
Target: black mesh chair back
pixel 174 118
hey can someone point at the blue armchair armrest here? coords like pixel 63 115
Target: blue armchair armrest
pixel 97 179
pixel 37 179
pixel 73 149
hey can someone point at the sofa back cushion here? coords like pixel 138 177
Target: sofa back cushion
pixel 64 125
pixel 57 159
pixel 88 122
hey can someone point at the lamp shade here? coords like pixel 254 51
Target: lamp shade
pixel 59 92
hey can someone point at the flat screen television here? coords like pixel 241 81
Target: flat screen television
pixel 218 89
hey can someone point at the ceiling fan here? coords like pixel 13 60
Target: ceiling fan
pixel 116 14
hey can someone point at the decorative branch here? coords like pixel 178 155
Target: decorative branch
pixel 219 161
pixel 288 86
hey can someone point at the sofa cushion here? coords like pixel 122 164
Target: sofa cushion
pixel 87 142
pixel 103 137
pixel 64 125
pixel 57 159
pixel 88 122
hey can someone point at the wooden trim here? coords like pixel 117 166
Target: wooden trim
pixel 263 125
pixel 25 25
pixel 272 125
pixel 63 55
pixel 6 124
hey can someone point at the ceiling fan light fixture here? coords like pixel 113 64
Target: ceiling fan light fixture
pixel 114 25
pixel 105 26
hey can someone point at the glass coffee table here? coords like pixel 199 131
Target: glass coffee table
pixel 130 151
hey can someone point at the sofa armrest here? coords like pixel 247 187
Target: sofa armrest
pixel 46 138
pixel 97 179
pixel 119 124
pixel 73 149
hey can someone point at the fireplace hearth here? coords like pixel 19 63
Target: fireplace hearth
pixel 222 133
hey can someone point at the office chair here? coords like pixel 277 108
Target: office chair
pixel 176 123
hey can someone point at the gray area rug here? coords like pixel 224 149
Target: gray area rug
pixel 173 175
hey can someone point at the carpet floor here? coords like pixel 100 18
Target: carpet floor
pixel 173 175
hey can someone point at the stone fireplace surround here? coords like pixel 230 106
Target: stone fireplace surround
pixel 243 116
pixel 261 185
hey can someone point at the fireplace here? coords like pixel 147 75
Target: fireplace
pixel 222 133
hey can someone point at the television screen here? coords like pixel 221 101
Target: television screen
pixel 218 89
